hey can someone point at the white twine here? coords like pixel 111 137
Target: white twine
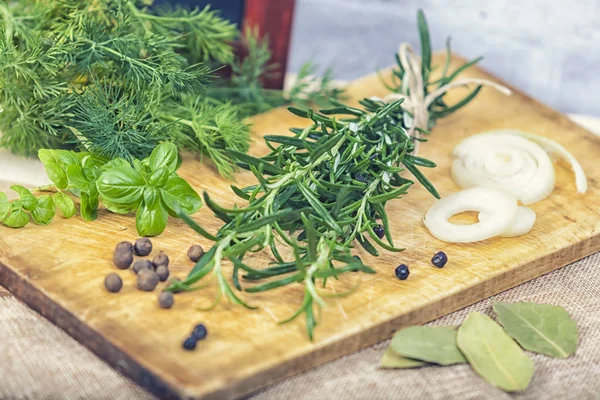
pixel 413 91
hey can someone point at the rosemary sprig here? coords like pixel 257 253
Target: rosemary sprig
pixel 318 192
pixel 325 188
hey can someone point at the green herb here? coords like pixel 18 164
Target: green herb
pixel 393 360
pixel 116 77
pixel 151 188
pixel 18 213
pixel 488 348
pixel 65 204
pixel 541 328
pixel 493 354
pixel 298 202
pixel 427 343
pixel 319 193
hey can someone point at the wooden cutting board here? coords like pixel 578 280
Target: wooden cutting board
pixel 59 269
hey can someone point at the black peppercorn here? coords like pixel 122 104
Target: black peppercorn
pixel 142 247
pixel 189 343
pixel 199 332
pixel 166 299
pixel 195 253
pixel 379 231
pixel 439 259
pixel 140 265
pixel 113 283
pixel 147 280
pixel 122 258
pixel 124 246
pixel 402 272
pixel 163 272
pixel 160 259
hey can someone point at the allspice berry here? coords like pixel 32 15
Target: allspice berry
pixel 124 246
pixel 147 280
pixel 166 299
pixel 161 259
pixel 195 252
pixel 122 258
pixel 142 247
pixel 163 272
pixel 140 265
pixel 113 283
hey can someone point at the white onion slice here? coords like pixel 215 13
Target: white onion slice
pixel 554 147
pixel 499 207
pixel 521 225
pixel 504 160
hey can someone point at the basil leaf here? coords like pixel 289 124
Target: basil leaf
pixel 164 155
pixel 5 206
pixel 63 158
pixel 121 208
pixel 432 344
pixel 115 163
pixel 494 355
pixel 541 328
pixel 122 185
pixel 393 360
pixel 178 194
pixel 44 211
pixel 65 204
pixel 17 219
pixel 88 207
pixel 28 200
pixel 77 178
pixel 57 175
pixel 159 177
pixel 151 217
pixel 140 167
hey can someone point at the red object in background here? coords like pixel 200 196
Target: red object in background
pixel 274 19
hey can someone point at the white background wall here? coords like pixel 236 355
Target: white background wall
pixel 548 48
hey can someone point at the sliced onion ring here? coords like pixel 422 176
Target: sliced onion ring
pixel 499 207
pixel 506 161
pixel 554 147
pixel 521 225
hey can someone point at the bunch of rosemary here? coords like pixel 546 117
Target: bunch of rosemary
pixel 318 193
pixel 117 77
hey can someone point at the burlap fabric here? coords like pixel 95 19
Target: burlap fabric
pixel 39 361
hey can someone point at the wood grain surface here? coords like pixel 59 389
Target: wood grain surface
pixel 59 269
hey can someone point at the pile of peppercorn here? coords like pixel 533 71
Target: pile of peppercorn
pixel 149 273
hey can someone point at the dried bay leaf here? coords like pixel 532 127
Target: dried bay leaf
pixel 541 328
pixel 393 360
pixel 493 354
pixel 428 343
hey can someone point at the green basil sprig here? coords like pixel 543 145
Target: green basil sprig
pixel 17 213
pixel 150 187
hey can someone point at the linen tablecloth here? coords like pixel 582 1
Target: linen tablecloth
pixel 40 361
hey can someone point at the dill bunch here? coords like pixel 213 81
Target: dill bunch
pixel 117 77
pixel 101 75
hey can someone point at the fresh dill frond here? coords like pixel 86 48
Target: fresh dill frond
pixel 208 128
pixel 112 123
pixel 205 35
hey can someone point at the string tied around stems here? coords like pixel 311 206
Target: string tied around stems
pixel 416 101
